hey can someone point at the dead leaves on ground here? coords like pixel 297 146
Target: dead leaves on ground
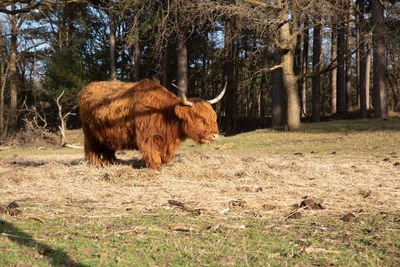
pixel 350 217
pixel 310 204
pixel 365 193
pixel 222 225
pixel 306 204
pixel 232 204
pixel 14 212
pixel 185 228
pixel 219 226
pixel 249 189
pixel 312 250
pixel 185 207
pixel 240 203
pixel 11 209
pixel 231 261
pixel 195 229
pixel 392 155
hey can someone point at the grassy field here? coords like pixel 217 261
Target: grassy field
pixel 328 194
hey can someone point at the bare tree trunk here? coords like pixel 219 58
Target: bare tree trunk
pixel 380 93
pixel 263 109
pixel 316 80
pixel 278 107
pixel 358 52
pixel 340 104
pixel 13 74
pixel 303 82
pixel 297 54
pixel 63 124
pixel 363 86
pixel 182 64
pixel 368 75
pixel 137 57
pixel 298 66
pixel 349 36
pixel 113 72
pixel 230 98
pixel 289 78
pixel 254 90
pixel 363 63
pixel 290 82
pixel 334 71
pixel 3 75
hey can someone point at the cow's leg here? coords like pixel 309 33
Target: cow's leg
pixel 169 153
pixel 151 156
pixel 152 160
pixel 91 155
pixel 108 156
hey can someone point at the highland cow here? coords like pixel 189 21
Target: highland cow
pixel 143 116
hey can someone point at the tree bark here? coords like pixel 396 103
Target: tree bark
pixel 263 109
pixel 278 107
pixel 358 52
pixel 334 71
pixel 3 78
pixel 113 72
pixel 2 89
pixel 316 80
pixel 340 77
pixel 380 93
pixel 289 78
pixel 303 81
pixel 137 50
pixel 13 74
pixel 182 62
pixel 368 76
pixel 230 98
pixel 349 36
pixel 363 63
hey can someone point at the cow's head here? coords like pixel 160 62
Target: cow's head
pixel 199 120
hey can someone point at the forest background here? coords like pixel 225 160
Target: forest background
pixel 285 62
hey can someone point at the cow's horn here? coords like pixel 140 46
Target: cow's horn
pixel 218 98
pixel 183 96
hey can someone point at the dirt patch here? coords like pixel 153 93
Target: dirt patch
pixel 223 184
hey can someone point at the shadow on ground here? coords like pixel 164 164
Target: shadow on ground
pixel 56 257
pixel 135 163
pixel 32 163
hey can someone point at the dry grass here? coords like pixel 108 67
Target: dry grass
pixel 245 187
pixel 248 182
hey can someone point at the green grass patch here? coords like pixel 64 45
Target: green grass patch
pixel 352 138
pixel 177 238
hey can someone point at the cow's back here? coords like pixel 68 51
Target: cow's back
pixel 96 92
pixel 102 114
pixel 112 112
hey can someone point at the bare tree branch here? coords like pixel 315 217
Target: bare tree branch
pixel 25 9
pixel 62 127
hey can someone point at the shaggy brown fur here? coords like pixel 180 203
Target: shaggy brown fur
pixel 141 115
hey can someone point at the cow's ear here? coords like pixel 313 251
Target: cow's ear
pixel 182 111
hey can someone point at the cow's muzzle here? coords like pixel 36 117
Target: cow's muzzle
pixel 215 137
pixel 209 139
